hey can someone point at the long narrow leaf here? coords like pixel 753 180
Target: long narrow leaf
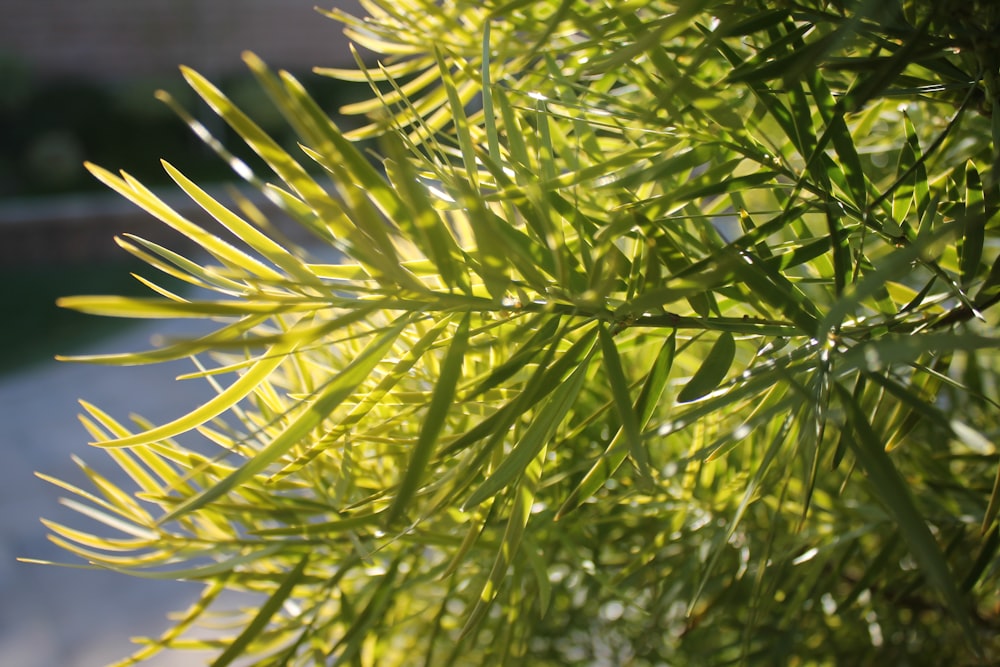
pixel 332 395
pixel 537 435
pixel 891 490
pixel 264 614
pixel 437 411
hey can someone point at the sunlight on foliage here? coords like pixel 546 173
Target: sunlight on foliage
pixel 661 333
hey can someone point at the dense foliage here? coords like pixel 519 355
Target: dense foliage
pixel 664 333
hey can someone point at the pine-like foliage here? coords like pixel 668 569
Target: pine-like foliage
pixel 664 334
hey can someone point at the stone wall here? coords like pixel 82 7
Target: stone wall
pixel 115 40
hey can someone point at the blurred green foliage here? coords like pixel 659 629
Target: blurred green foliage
pixel 50 126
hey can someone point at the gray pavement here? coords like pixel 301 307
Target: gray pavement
pixel 59 617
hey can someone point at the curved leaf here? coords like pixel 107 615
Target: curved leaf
pixel 712 370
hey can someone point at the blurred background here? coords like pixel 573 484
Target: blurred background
pixel 77 82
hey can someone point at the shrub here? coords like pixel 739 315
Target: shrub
pixel 664 334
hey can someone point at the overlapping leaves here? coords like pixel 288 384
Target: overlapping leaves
pixel 624 325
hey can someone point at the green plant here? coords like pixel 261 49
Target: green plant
pixel 664 335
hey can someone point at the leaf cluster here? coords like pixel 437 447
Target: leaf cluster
pixel 663 333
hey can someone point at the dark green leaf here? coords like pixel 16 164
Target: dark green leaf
pixel 888 486
pixel 620 394
pixel 712 371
